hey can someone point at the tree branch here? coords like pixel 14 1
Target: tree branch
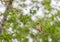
pixel 9 3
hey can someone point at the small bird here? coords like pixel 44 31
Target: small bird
pixel 39 27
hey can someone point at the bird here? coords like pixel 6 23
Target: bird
pixel 39 27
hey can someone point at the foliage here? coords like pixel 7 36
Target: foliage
pixel 22 25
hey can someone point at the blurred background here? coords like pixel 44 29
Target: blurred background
pixel 22 19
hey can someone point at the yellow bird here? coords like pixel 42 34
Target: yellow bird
pixel 39 27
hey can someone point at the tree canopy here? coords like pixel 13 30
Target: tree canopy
pixel 22 18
